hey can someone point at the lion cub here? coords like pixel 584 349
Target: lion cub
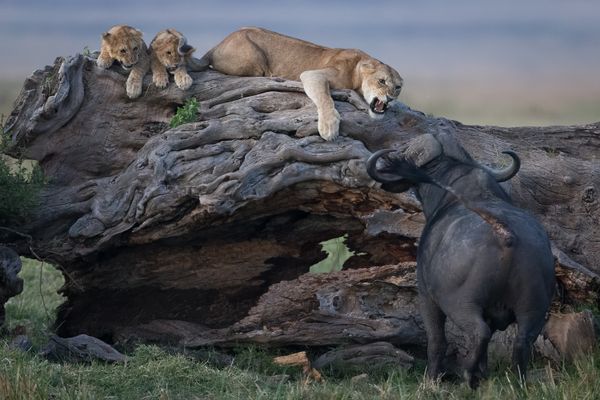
pixel 170 53
pixel 125 45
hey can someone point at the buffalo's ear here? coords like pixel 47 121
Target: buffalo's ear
pixel 397 187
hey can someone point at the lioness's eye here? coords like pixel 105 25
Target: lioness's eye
pixel 169 52
pixel 123 51
pixel 382 81
pixel 135 49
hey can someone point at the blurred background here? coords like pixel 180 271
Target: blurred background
pixel 515 62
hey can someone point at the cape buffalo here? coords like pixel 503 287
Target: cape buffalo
pixel 481 261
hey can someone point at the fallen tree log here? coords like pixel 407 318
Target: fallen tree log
pixel 205 233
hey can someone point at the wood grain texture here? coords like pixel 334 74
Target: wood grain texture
pixel 204 233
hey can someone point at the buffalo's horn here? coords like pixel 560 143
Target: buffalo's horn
pixel 375 173
pixel 183 47
pixel 505 174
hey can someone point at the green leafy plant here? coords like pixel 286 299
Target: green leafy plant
pixel 337 254
pixel 186 113
pixel 20 184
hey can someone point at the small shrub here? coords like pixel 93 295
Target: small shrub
pixel 186 113
pixel 19 185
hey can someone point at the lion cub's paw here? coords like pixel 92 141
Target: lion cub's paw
pixel 160 80
pixel 329 125
pixel 183 81
pixel 133 88
pixel 103 62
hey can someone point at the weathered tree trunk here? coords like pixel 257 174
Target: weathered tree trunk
pixel 205 233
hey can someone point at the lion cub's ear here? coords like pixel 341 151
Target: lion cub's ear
pixel 184 48
pixel 137 32
pixel 108 38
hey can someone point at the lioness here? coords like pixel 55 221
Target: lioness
pixel 170 53
pixel 260 52
pixel 125 45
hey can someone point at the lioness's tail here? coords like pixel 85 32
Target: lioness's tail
pixel 199 64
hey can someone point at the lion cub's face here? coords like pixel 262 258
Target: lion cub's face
pixel 124 44
pixel 380 85
pixel 171 48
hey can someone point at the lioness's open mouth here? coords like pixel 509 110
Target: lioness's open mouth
pixel 378 106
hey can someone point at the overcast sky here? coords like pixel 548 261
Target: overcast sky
pixel 551 46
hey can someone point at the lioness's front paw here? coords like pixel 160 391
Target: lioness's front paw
pixel 329 125
pixel 183 81
pixel 104 62
pixel 133 88
pixel 160 81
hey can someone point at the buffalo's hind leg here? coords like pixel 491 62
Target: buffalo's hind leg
pixel 529 327
pixel 471 322
pixel 434 320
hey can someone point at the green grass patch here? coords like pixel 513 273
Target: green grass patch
pixel 35 308
pixel 186 113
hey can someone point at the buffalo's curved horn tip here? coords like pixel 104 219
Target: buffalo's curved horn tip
pixel 375 173
pixel 505 174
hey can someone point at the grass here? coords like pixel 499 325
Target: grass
pixel 35 308
pixel 154 373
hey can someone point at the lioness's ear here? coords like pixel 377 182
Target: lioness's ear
pixel 366 66
pixel 105 35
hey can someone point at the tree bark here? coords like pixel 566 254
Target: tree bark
pixel 205 233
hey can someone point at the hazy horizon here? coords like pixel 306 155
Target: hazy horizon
pixel 461 58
